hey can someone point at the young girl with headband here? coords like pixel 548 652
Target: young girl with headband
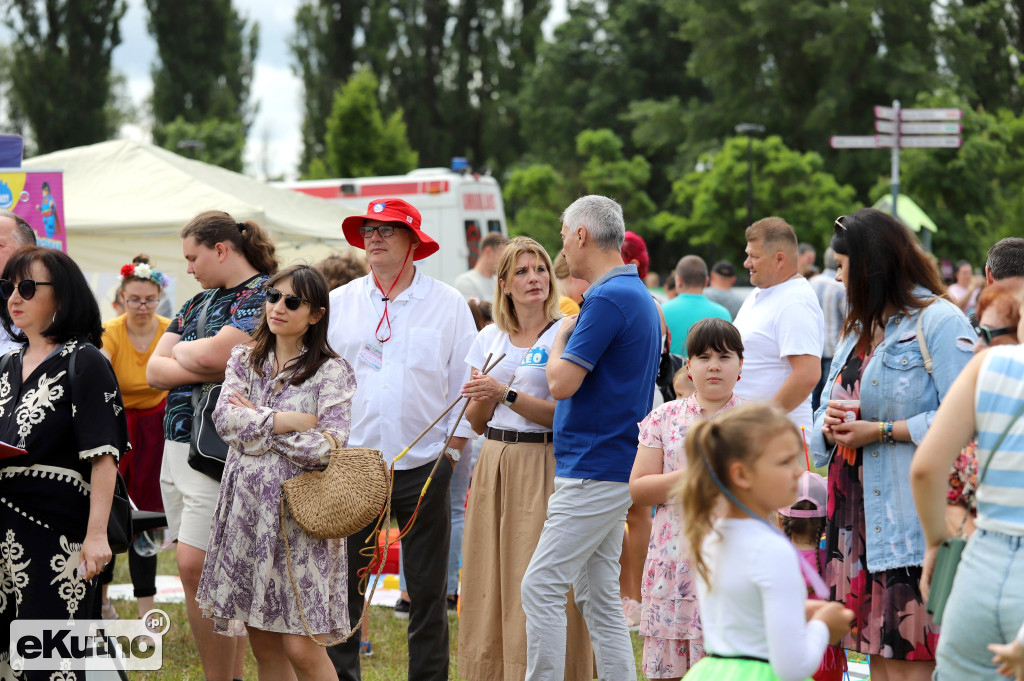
pixel 758 623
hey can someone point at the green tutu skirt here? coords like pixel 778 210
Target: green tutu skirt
pixel 731 669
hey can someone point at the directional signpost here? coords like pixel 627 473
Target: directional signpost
pixel 899 128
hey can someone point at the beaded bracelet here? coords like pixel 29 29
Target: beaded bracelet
pixel 889 439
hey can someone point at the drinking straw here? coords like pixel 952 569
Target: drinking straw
pixel 807 457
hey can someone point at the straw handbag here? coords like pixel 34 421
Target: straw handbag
pixel 352 492
pixel 343 498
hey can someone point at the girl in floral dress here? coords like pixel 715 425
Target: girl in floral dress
pixel 670 620
pixel 281 393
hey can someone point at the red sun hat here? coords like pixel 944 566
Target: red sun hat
pixel 395 212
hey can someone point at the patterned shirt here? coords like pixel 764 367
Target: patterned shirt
pixel 240 307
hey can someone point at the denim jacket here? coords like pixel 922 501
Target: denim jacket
pixel 895 386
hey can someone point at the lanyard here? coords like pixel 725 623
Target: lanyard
pixel 387 297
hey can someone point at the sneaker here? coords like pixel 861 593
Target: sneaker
pixel 402 609
pixel 366 649
pixel 453 604
pixel 631 609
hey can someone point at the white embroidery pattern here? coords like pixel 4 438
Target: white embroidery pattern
pixel 69 347
pixel 31 411
pixel 65 673
pixel 66 567
pixel 8 671
pixel 14 577
pixel 5 394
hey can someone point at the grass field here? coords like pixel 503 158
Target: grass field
pixel 181 662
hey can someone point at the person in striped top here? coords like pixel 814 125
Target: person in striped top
pixel 985 603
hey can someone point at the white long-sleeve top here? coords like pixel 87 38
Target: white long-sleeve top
pixel 402 384
pixel 755 607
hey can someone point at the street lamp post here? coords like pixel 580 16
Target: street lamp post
pixel 750 129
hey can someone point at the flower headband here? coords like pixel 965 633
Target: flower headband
pixel 145 272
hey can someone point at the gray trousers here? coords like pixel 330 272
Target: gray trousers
pixel 579 547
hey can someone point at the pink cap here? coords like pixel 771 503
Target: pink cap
pixel 811 488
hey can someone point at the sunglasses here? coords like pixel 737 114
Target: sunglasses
pixel 291 302
pixel 988 334
pixel 26 288
pixel 386 231
pixel 839 224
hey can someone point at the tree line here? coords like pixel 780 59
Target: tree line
pixel 638 99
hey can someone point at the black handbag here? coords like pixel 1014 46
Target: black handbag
pixel 207 452
pixel 668 366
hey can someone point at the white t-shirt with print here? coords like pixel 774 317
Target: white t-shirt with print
pixel 775 323
pixel 529 366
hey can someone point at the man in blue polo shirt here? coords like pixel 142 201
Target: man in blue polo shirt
pixel 601 370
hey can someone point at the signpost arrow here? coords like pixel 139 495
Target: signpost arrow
pixel 928 114
pixel 887 127
pixel 928 128
pixel 931 141
pixel 886 112
pixel 854 142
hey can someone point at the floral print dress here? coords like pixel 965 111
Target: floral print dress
pixel 670 619
pixel 890 619
pixel 245 576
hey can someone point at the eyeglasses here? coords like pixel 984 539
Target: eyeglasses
pixel 839 224
pixel 291 302
pixel 26 288
pixel 987 334
pixel 136 303
pixel 385 231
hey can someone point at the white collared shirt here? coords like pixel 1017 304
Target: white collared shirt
pixel 404 383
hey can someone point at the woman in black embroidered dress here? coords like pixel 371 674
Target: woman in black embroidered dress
pixel 54 500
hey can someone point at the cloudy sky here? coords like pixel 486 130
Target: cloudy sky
pixel 274 142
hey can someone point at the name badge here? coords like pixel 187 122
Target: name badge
pixel 372 355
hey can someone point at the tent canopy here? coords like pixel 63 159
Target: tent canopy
pixel 122 198
pixel 908 212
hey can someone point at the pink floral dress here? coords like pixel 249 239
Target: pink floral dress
pixel 670 620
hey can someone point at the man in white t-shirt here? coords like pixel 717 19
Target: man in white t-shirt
pixel 15 233
pixel 781 324
pixel 479 282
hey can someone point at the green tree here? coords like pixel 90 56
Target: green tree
pixel 710 204
pixel 325 52
pixel 214 141
pixel 608 172
pixel 981 43
pixel 204 70
pixel 535 196
pixel 59 68
pixel 359 140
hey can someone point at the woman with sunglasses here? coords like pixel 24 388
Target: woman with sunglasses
pixel 512 406
pixel 60 402
pixel 901 346
pixel 128 342
pixel 282 392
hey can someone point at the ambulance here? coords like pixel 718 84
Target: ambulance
pixel 458 208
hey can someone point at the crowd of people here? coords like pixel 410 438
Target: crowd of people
pixel 596 503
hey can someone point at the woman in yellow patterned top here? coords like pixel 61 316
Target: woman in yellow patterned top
pixel 128 342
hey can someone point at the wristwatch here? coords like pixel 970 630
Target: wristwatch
pixel 510 397
pixel 453 453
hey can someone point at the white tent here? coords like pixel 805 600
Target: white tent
pixel 122 198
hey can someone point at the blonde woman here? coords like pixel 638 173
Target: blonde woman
pixel 513 407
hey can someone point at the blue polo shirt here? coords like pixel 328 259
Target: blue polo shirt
pixel 616 339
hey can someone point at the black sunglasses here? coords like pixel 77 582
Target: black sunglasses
pixel 26 288
pixel 386 231
pixel 291 302
pixel 988 334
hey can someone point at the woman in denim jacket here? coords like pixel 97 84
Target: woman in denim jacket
pixel 874 543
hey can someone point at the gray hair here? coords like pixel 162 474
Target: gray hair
pixel 830 259
pixel 1006 258
pixel 601 217
pixel 23 233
